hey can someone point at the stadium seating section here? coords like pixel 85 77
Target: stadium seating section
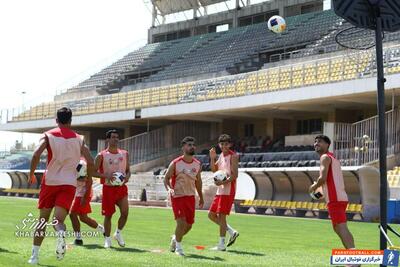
pixel 269 160
pixel 217 52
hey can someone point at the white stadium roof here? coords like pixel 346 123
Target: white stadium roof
pixel 174 6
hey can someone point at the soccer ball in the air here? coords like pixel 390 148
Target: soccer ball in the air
pixel 119 178
pixel 277 24
pixel 220 176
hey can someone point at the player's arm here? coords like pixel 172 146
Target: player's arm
pixel 234 170
pixel 167 178
pixel 199 188
pixel 213 160
pixel 323 173
pixel 127 169
pixel 85 152
pixel 97 163
pixel 36 158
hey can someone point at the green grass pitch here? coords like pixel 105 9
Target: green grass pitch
pixel 263 241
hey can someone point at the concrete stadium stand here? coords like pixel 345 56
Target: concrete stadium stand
pixel 291 184
pixel 18 179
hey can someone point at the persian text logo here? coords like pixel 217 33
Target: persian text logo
pixel 31 223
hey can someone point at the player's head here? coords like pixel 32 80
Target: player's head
pixel 322 143
pixel 112 137
pixel 188 145
pixel 64 116
pixel 224 142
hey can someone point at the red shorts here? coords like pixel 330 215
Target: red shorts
pixel 111 195
pixel 78 209
pixel 184 207
pixel 337 211
pixel 56 195
pixel 222 204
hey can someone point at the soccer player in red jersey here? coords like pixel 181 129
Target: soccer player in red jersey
pixel 228 161
pixel 331 180
pixel 182 180
pixel 108 162
pixel 64 150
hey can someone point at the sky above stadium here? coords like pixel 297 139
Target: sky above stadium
pixel 49 45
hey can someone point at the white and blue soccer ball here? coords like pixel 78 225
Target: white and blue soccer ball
pixel 119 178
pixel 317 194
pixel 81 169
pixel 220 176
pixel 277 24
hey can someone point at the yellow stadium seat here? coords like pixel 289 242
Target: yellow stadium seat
pixel 322 206
pixel 358 208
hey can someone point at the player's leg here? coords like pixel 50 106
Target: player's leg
pixel 345 236
pixel 107 230
pixel 123 206
pixel 76 226
pixel 187 229
pixel 221 218
pixel 337 212
pixel 40 232
pixel 88 221
pixel 124 210
pixel 41 228
pixel 107 210
pixel 225 210
pixel 180 230
pixel 60 213
pixel 213 217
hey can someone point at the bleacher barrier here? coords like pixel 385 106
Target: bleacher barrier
pixel 19 184
pixel 364 135
pixel 286 189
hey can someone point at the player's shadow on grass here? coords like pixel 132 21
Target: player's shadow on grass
pixel 96 246
pixel 201 257
pixel 245 253
pixel 125 249
pixel 44 265
pixel 92 246
pixel 3 250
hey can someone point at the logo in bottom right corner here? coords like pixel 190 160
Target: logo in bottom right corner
pixel 391 257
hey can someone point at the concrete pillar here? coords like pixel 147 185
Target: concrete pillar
pixel 153 23
pixel 328 4
pixel 195 15
pixel 235 21
pixel 127 132
pixel 282 10
pixel 270 127
pixel 332 116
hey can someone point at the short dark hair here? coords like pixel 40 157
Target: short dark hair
pixel 64 115
pixel 324 137
pixel 224 138
pixel 188 139
pixel 112 131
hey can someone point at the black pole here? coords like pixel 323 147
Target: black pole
pixel 382 128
